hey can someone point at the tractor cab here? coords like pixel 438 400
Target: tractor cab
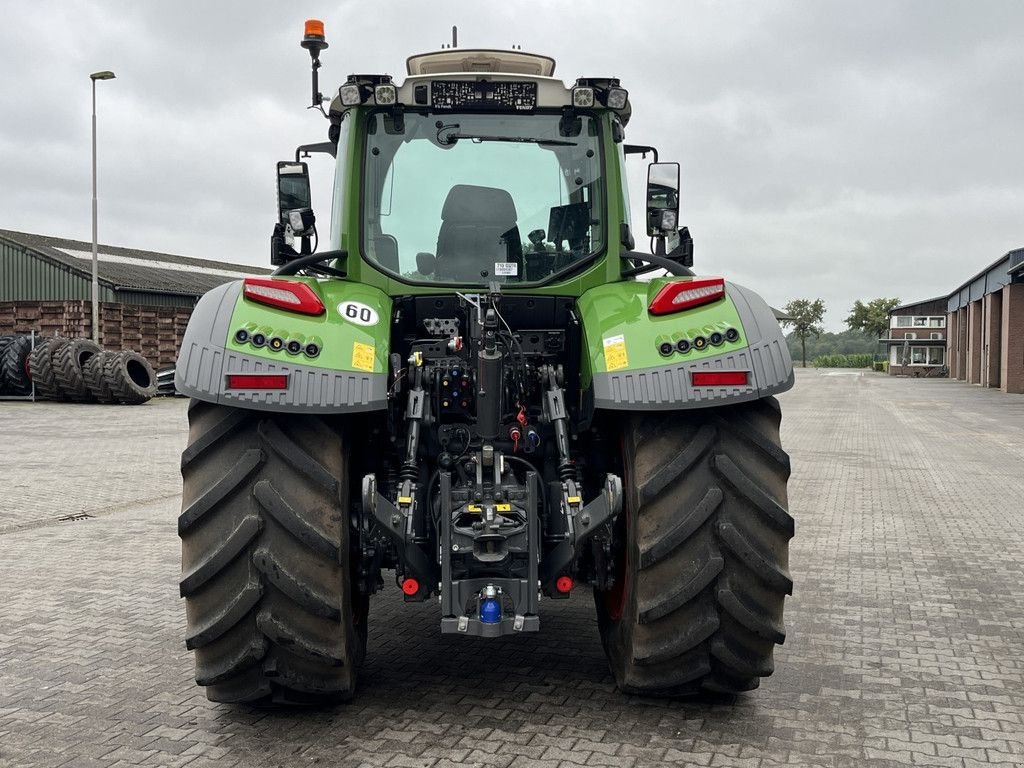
pixel 479 168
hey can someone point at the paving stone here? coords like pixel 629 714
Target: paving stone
pixel 905 628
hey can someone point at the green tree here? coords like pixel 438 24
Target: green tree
pixel 872 317
pixel 807 316
pixel 845 342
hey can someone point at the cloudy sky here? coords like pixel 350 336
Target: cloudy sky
pixel 839 150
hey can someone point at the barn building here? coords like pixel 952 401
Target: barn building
pixel 975 334
pixel 145 298
pixel 986 326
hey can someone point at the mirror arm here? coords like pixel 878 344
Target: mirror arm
pixel 640 149
pixel 656 262
pixel 325 147
pixel 313 261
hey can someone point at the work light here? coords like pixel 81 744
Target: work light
pixel 616 98
pixel 582 97
pixel 385 95
pixel 351 94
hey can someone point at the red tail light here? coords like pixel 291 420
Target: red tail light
pixel 257 381
pixel 283 294
pixel 410 587
pixel 687 294
pixel 720 378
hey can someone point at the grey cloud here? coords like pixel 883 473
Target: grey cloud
pixel 828 148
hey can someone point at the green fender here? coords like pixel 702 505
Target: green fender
pixel 335 362
pixel 626 367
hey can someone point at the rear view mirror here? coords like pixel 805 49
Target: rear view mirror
pixel 662 198
pixel 292 189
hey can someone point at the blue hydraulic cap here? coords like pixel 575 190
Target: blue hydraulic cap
pixel 490 606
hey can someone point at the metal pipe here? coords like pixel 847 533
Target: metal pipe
pixel 105 75
pixel 95 260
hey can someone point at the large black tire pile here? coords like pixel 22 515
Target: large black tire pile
pixel 75 370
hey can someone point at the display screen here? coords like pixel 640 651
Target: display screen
pixel 483 95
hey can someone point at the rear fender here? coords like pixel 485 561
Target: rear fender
pixel 347 373
pixel 627 371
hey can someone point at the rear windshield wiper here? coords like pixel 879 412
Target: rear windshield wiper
pixel 451 139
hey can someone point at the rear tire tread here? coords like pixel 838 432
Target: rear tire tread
pixel 41 368
pixel 14 363
pixel 93 372
pixel 68 368
pixel 706 571
pixel 271 614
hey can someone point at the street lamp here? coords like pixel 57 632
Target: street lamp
pixel 104 75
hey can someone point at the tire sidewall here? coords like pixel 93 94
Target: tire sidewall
pixel 617 633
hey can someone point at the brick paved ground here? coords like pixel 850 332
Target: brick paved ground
pixel 906 642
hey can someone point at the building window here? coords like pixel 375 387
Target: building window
pixel 927 355
pixel 918 321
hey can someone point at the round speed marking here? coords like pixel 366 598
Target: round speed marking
pixel 358 313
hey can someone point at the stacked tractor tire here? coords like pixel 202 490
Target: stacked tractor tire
pixel 73 370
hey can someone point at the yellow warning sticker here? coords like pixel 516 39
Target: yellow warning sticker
pixel 362 356
pixel 615 353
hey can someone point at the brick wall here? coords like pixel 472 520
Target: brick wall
pixel 991 328
pixel 1012 336
pixel 952 335
pixel 153 331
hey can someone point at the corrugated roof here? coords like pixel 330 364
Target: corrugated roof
pixel 132 269
pixel 1007 257
pixel 917 303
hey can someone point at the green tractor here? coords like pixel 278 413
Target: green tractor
pixel 470 388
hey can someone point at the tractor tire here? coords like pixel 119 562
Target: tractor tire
pixel 264 527
pixel 14 376
pixel 5 340
pixel 68 368
pixel 130 377
pixel 697 606
pixel 94 374
pixel 41 368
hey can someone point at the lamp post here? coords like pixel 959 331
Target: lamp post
pixel 104 75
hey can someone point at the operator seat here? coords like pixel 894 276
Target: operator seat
pixel 478 229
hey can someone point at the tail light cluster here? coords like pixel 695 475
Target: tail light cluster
pixel 283 294
pixel 681 295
